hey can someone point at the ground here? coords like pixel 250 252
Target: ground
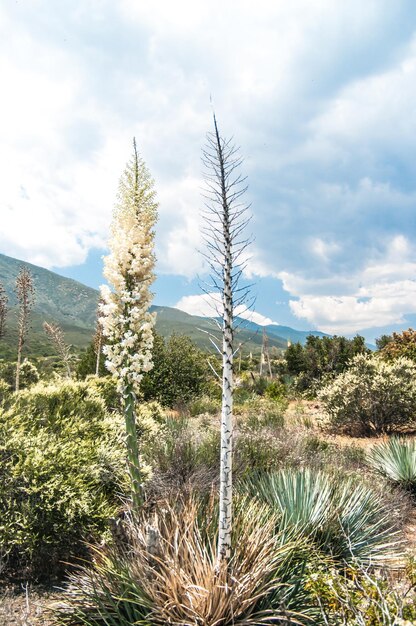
pixel 21 606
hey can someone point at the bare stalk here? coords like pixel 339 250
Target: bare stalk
pixel 56 335
pixel 3 311
pixel 226 218
pixel 25 292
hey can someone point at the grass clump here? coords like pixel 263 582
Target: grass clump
pixel 396 460
pixel 344 519
pixel 166 573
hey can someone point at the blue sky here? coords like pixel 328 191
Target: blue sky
pixel 320 95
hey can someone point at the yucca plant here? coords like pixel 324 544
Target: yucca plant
pixel 343 518
pixel 166 573
pixel 396 459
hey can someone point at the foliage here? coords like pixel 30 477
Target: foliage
pixel 62 468
pixel 344 519
pixel 178 374
pixel 321 356
pixel 87 363
pixel 181 456
pixel 396 459
pixel 276 390
pixel 29 374
pixel 5 392
pixel 168 575
pixel 399 345
pixel 373 396
pixel 204 404
pixel 358 597
pixel 258 413
pixel 106 387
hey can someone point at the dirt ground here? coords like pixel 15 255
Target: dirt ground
pixel 25 606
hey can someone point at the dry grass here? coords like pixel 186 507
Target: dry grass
pixel 172 574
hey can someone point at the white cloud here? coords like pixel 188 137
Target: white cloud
pixel 209 305
pixel 305 85
pixel 379 295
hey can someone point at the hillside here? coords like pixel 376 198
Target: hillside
pixel 73 306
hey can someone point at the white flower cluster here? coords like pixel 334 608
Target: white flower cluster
pixel 125 318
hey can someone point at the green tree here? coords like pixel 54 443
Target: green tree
pixel 322 356
pixel 87 363
pixel 178 374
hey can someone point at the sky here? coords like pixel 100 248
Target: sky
pixel 320 95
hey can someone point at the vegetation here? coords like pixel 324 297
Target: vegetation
pixel 170 576
pixel 396 459
pixel 62 468
pixel 343 518
pixel 398 345
pixel 321 357
pixel 372 397
pixel 179 372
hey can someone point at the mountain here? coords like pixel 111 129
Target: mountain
pixel 73 306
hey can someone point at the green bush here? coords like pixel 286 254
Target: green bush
pixel 179 372
pixel 106 387
pixel 62 468
pixel 5 392
pixel 258 413
pixel 29 374
pixel 372 397
pixel 276 390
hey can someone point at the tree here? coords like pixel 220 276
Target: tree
pixel 25 292
pixel 322 356
pixel 397 345
pixel 98 340
pixel 225 220
pixel 87 363
pixel 3 310
pixel 125 317
pixel 56 335
pixel 178 374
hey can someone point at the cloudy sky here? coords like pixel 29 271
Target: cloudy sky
pixel 319 94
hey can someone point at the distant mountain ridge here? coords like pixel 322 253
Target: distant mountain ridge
pixel 73 306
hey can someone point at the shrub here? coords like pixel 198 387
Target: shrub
pixel 372 397
pixel 168 575
pixel 5 392
pixel 178 374
pixel 181 456
pixel 106 387
pixel 360 597
pixel 257 413
pixel 204 405
pixel 396 459
pixel 344 519
pixel 29 374
pixel 62 467
pixel 276 390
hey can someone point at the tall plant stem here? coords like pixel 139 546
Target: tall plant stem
pixel 132 444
